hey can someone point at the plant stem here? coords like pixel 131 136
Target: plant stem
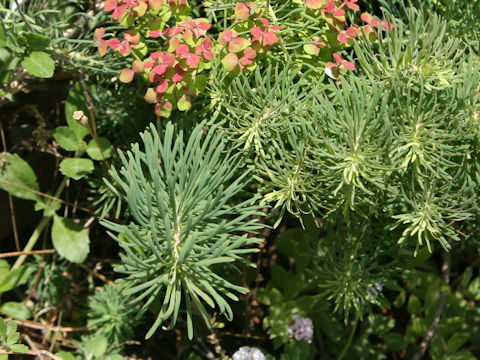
pixel 38 230
pixel 349 341
pixel 438 313
pixel 31 242
pixel 18 253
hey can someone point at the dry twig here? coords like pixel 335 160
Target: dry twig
pixel 33 252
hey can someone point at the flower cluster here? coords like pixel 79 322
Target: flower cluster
pixel 248 353
pixel 174 73
pixel 242 50
pixel 131 42
pixel 375 23
pixel 125 10
pixel 185 50
pixel 300 328
pixel 333 69
pixel 334 13
pixel 173 68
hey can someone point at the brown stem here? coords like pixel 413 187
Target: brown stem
pixel 45 195
pixel 96 274
pixel 23 17
pixel 39 326
pixel 88 98
pixel 33 252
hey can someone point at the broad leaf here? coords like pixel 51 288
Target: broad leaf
pixel 17 177
pixel 96 346
pixel 39 64
pixel 94 152
pixel 70 239
pixel 16 310
pixel 15 278
pixel 67 139
pixel 76 168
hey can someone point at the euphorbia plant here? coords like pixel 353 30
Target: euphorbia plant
pixel 173 58
pixel 185 49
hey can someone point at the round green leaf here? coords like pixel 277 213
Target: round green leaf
pixel 39 64
pixel 184 103
pixel 94 152
pixel 18 177
pixel 76 168
pixel 96 346
pixel 70 239
pixel 16 310
pixel 67 139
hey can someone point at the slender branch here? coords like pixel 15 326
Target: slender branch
pixel 90 106
pixel 349 341
pixel 39 326
pixel 23 17
pixel 33 346
pixel 51 197
pixel 10 198
pixel 438 313
pixel 34 252
pixel 96 274
pixel 33 353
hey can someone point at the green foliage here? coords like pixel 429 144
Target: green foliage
pixel 110 314
pixel 70 239
pixel 9 338
pixel 40 64
pixel 179 194
pixel 17 177
pixel 17 310
pixel 370 178
pixel 12 278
